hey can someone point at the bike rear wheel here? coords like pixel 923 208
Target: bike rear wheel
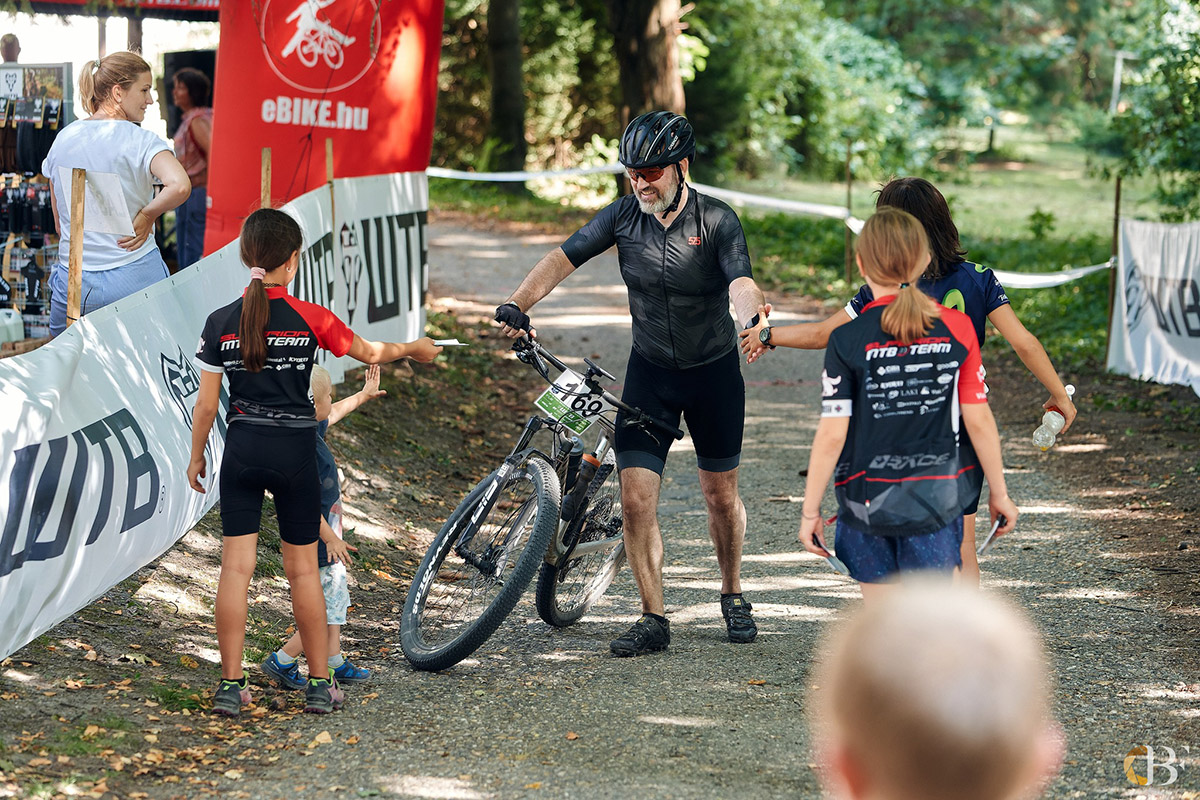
pixel 566 590
pixel 453 606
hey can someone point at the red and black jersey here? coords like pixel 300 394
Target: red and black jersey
pixel 903 470
pixel 279 393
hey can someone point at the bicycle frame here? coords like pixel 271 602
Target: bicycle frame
pixel 532 353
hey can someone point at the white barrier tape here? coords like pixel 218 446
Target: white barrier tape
pixel 502 177
pixel 1011 280
pixel 800 207
pixel 1046 280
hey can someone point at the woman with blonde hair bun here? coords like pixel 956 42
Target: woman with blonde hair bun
pixel 115 91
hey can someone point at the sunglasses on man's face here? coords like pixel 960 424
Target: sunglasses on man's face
pixel 649 174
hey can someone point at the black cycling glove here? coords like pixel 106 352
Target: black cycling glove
pixel 512 316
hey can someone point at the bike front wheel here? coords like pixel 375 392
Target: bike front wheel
pixel 476 569
pixel 566 590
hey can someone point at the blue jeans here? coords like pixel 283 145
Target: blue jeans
pixel 101 287
pixel 190 219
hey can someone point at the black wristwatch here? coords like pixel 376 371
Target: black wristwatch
pixel 764 336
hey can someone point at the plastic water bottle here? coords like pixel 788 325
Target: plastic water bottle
pixel 1052 424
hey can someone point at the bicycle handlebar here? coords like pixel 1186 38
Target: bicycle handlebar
pixel 526 344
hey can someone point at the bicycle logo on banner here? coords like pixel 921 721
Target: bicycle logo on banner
pixel 313 44
pixel 316 37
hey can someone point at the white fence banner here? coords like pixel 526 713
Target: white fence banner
pixel 1156 314
pixel 95 427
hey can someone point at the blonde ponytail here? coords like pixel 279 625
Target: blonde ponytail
pixel 99 78
pixel 894 250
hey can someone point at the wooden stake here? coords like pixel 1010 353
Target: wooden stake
pixel 849 184
pixel 1112 273
pixel 266 178
pixel 332 193
pixel 75 259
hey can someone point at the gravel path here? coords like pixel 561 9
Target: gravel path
pixel 544 713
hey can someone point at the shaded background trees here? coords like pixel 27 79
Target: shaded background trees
pixel 785 86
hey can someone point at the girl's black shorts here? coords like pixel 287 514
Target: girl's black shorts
pixel 283 461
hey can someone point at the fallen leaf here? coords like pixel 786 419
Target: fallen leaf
pixel 321 738
pixel 572 736
pixel 756 682
pixel 533 786
pixel 151 737
pixel 233 774
pixel 352 740
pixel 90 731
pixel 189 662
pixel 90 655
pixel 40 762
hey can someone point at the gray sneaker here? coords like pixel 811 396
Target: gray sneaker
pixel 229 698
pixel 648 635
pixel 323 696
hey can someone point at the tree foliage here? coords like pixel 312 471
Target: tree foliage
pixel 569 82
pixel 786 86
pixel 1159 132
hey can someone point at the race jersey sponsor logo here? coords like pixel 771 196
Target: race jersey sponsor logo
pixel 829 385
pixel 906 462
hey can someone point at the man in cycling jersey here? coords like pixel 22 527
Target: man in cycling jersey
pixel 682 256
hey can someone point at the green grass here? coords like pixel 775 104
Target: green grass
pixel 72 741
pixel 176 697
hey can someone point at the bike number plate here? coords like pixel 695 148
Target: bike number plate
pixel 568 402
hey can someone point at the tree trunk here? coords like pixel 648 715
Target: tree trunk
pixel 645 34
pixel 507 127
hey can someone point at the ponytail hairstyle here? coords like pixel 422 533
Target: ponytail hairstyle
pixel 269 238
pixel 922 199
pixel 99 78
pixel 893 249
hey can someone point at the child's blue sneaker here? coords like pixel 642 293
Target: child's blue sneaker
pixel 348 673
pixel 286 675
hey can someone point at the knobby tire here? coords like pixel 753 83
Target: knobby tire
pixel 444 618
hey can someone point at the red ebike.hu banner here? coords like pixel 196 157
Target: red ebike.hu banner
pixel 292 73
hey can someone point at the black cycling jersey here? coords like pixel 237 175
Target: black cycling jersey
pixel 279 394
pixel 904 469
pixel 678 276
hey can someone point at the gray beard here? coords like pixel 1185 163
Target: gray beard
pixel 656 207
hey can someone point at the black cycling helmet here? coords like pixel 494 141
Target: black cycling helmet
pixel 657 139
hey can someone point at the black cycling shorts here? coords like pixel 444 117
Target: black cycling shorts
pixel 711 398
pixel 283 461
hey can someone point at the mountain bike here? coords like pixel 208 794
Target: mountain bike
pixel 550 507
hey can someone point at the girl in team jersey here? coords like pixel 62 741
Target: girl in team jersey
pixel 955 283
pixel 265 343
pixel 900 382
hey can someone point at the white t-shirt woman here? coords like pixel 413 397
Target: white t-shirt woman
pixel 107 146
pixel 116 90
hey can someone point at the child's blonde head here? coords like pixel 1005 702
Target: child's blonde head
pixel 893 251
pixel 321 385
pixel 937 693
